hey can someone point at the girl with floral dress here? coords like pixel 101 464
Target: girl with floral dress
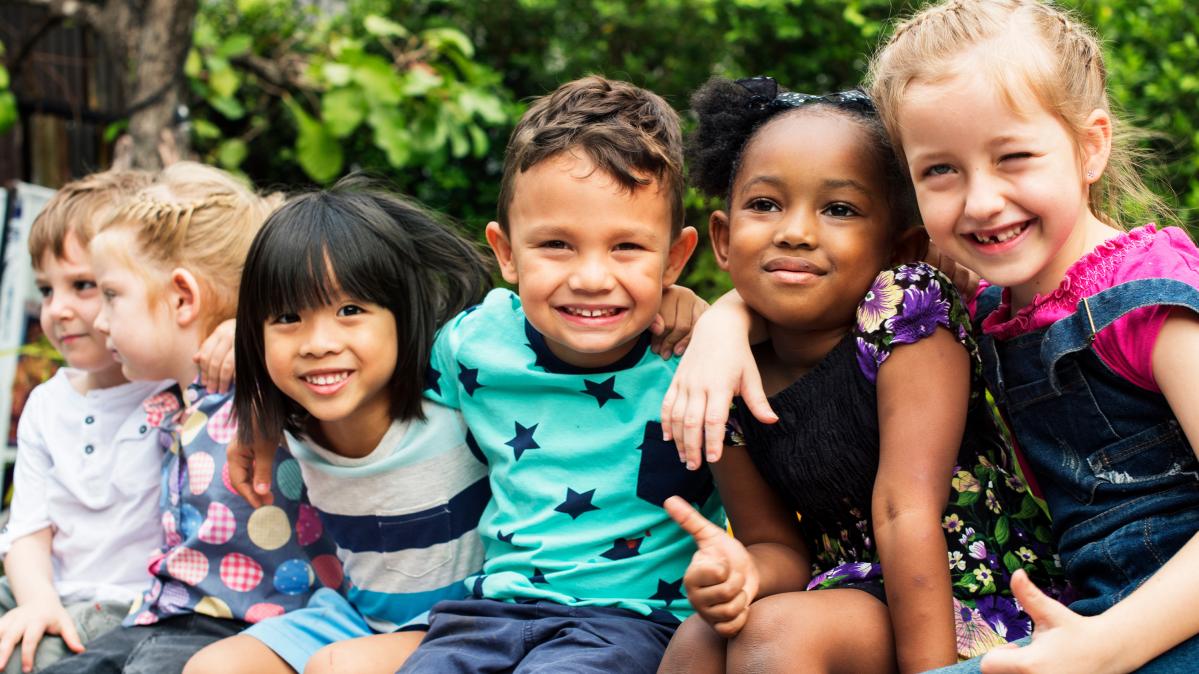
pixel 885 444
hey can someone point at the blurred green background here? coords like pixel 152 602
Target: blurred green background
pixel 425 92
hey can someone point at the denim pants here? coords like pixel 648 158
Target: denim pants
pixel 1118 474
pixel 161 648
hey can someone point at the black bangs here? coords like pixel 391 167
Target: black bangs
pixel 358 240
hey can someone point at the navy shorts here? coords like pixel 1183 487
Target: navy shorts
pixel 485 635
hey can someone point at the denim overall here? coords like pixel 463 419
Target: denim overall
pixel 1119 477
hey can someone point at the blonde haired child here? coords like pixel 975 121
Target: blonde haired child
pixel 168 266
pixel 1000 112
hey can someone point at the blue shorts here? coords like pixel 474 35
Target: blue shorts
pixel 297 635
pixel 485 635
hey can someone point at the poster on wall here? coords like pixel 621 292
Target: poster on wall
pixel 26 358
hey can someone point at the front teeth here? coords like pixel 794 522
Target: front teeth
pixel 590 313
pixel 1006 235
pixel 326 379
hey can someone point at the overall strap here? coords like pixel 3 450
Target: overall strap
pixel 1078 331
pixel 986 302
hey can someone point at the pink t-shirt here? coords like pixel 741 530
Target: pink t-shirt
pixel 1126 346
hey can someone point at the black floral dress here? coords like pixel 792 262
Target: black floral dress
pixel 822 458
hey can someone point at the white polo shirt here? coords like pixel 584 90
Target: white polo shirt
pixel 89 466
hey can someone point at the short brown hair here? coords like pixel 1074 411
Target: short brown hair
pixel 79 208
pixel 629 133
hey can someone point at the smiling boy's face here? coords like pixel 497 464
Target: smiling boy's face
pixel 589 258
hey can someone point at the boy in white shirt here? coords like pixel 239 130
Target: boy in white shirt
pixel 84 516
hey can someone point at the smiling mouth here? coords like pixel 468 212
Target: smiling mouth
pixel 591 313
pixel 1002 235
pixel 326 378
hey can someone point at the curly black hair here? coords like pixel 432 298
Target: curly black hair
pixel 730 114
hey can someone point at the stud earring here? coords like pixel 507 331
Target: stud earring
pixel 1090 175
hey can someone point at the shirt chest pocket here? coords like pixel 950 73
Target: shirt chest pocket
pixel 418 543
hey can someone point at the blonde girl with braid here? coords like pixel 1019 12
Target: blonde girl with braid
pixel 1089 331
pixel 168 266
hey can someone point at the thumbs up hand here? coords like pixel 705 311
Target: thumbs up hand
pixel 722 580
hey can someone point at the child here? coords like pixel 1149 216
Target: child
pixel 87 456
pixel 583 568
pixel 167 266
pixel 1000 112
pixel 1090 333
pixel 342 293
pixel 873 408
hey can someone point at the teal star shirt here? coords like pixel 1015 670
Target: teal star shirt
pixel 577 465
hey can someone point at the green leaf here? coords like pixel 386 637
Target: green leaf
pixel 337 74
pixel 231 108
pixel 459 145
pixel 194 65
pixel 202 128
pixel 439 38
pixel 479 140
pixel 235 45
pixel 8 110
pixel 3 77
pixel 1002 532
pixel 378 80
pixel 419 80
pixel 1012 562
pixel 391 135
pixel 342 110
pixel 318 152
pixel 967 498
pixel 489 107
pixel 114 130
pixel 223 79
pixel 1028 508
pixel 384 27
pixel 231 153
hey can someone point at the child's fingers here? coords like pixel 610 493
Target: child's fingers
pixel 690 520
pixel 705 573
pixel 69 635
pixel 8 640
pixel 731 628
pixel 1045 611
pixel 243 473
pixel 723 601
pixel 677 411
pixel 664 414
pixel 30 640
pixel 754 395
pixel 693 429
pixel 225 374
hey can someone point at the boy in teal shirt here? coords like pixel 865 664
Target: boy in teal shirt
pixel 562 395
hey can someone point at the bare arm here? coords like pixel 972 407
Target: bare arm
pixel 39 610
pixel 923 395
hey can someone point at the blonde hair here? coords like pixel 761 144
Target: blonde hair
pixel 1067 76
pixel 79 208
pixel 200 218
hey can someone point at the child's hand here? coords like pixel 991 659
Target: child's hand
pixel 215 358
pixel 250 470
pixel 28 624
pixel 1063 641
pixel 671 328
pixel 718 365
pixel 965 280
pixel 722 580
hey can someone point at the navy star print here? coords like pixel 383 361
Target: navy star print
pixel 668 592
pixel 576 504
pixel 603 391
pixel 432 380
pixel 660 474
pixel 623 548
pixel 507 539
pixel 538 577
pixel 469 377
pixel 523 440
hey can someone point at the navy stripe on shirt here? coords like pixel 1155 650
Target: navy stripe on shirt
pixel 391 533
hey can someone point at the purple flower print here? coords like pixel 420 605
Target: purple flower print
pixel 869 359
pixel 880 303
pixel 923 311
pixel 1004 617
pixel 911 273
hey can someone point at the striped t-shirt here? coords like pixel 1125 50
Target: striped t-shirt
pixel 404 517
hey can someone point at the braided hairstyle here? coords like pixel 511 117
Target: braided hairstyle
pixel 1066 75
pixel 731 113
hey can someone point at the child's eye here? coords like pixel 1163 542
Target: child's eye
pixel 627 245
pixel 286 319
pixel 351 310
pixel 45 291
pixel 84 284
pixel 109 294
pixel 1015 155
pixel 763 206
pixel 555 244
pixel 840 210
pixel 938 170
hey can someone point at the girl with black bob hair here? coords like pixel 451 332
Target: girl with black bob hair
pixel 342 294
pixel 883 442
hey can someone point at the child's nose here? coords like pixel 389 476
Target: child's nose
pixel 321 339
pixel 591 274
pixel 984 199
pixel 796 231
pixel 101 323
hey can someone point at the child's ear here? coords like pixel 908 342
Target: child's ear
pixel 718 232
pixel 185 297
pixel 911 245
pixel 502 247
pixel 680 252
pixel 1096 144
